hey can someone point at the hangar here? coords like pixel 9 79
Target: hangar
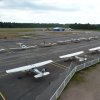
pixel 58 29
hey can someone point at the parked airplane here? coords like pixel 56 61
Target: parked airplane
pixel 61 42
pixel 96 49
pixel 45 44
pixel 32 69
pixel 74 56
pixel 90 38
pixel 83 39
pixel 26 47
pixel 23 47
pixel 75 40
pixel 67 41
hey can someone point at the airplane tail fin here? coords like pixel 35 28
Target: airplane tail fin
pixel 22 45
pixel 42 74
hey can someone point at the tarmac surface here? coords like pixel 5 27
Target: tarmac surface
pixel 22 86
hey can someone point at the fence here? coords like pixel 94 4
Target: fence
pixel 55 89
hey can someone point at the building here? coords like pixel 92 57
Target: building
pixel 58 29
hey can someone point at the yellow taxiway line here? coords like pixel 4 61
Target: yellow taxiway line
pixel 3 98
pixel 3 75
pixel 58 65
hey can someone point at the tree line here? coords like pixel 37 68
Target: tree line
pixel 85 26
pixel 49 25
pixel 30 25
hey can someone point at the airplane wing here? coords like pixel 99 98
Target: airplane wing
pixel 16 48
pixel 72 54
pixel 28 67
pixel 33 46
pixel 93 49
pixel 29 47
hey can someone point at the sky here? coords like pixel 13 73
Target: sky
pixel 50 11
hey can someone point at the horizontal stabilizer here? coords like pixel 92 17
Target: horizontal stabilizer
pixel 42 74
pixel 82 59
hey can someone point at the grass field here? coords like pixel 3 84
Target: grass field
pixel 84 85
pixel 9 33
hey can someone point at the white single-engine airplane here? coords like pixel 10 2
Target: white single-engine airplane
pixel 74 56
pixel 23 47
pixel 32 69
pixel 96 49
pixel 26 47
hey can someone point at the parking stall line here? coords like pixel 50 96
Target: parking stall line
pixel 59 64
pixel 3 75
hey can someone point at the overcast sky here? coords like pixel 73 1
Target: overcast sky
pixel 50 11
